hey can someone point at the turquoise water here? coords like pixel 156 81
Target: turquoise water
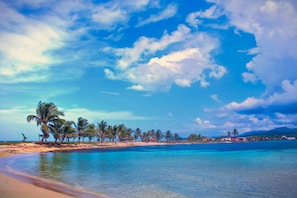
pixel 258 169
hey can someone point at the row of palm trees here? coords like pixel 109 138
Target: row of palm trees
pixel 48 117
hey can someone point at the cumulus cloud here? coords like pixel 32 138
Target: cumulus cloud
pixel 274 25
pixel 277 110
pixel 282 102
pixel 146 46
pixel 193 63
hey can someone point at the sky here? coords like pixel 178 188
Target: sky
pixel 195 66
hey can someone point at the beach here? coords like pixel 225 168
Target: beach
pixel 13 185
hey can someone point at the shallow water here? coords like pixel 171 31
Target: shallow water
pixel 258 169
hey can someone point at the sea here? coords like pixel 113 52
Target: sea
pixel 254 169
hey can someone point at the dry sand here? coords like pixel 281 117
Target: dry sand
pixel 13 188
pixel 37 187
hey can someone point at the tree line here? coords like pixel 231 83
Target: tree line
pixel 50 120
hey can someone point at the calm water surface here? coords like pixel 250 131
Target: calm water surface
pixel 258 169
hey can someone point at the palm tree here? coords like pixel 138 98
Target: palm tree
pixel 137 134
pixel 109 132
pixel 102 130
pixel 114 132
pixel 121 131
pixel 176 136
pixel 46 114
pixel 235 132
pixel 159 135
pixel 57 129
pixel 145 137
pixel 68 130
pixel 81 125
pixel 193 137
pixel 90 132
pixel 168 135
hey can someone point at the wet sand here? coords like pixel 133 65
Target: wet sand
pixel 16 185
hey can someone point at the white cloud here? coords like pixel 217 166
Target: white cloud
pixel 110 93
pixel 205 124
pixel 14 122
pixel 215 97
pixel 285 101
pixel 26 46
pixel 192 63
pixel 195 18
pixel 253 113
pixel 96 116
pixel 168 12
pixel 145 46
pixel 274 25
pixel 107 17
pixel 137 88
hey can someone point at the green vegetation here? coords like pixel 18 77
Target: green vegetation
pixel 48 117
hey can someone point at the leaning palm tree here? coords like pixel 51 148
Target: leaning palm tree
pixel 46 114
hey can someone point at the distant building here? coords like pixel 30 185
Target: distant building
pixel 226 139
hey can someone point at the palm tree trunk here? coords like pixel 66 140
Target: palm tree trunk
pixel 42 139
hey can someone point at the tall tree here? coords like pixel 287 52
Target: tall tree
pixel 121 131
pixel 81 125
pixel 109 132
pixel 90 132
pixel 145 137
pixel 137 134
pixel 194 137
pixel 159 135
pixel 168 135
pixel 235 132
pixel 57 129
pixel 68 131
pixel 102 130
pixel 176 136
pixel 114 132
pixel 46 114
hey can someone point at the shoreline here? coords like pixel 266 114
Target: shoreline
pixel 14 184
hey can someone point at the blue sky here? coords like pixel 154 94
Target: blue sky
pixel 187 66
